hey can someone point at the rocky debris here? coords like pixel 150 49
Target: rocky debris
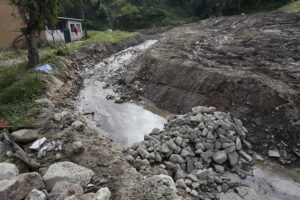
pixel 196 148
pixel 67 171
pixel 25 135
pixel 38 143
pixel 61 116
pixel 160 187
pixel 54 145
pixel 77 147
pixel 78 125
pixel 247 65
pixel 18 187
pixel 36 195
pixel 8 170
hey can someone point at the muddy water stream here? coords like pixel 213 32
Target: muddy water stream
pixel 127 123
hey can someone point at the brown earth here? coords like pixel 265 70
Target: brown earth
pixel 248 65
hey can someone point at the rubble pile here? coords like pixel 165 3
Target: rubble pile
pixel 196 149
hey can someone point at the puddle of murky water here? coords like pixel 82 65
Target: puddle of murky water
pixel 126 123
pixel 272 182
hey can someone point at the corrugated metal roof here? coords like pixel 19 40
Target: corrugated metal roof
pixel 67 18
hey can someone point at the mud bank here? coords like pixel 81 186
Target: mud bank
pixel 247 65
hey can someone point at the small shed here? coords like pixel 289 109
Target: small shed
pixel 67 30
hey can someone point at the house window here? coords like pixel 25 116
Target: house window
pixel 72 27
pixel 78 27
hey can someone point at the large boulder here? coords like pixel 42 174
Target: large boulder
pixel 64 189
pixel 67 171
pixel 18 187
pixel 25 135
pixel 8 170
pixel 160 187
pixel 103 194
pixel 36 195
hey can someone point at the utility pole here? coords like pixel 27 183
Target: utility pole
pixel 84 24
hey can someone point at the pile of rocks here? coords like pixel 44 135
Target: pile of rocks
pixel 196 149
pixel 62 181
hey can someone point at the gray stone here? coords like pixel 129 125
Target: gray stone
pixel 63 189
pixel 67 171
pixel 103 194
pixel 227 145
pixel 204 132
pixel 224 139
pixel 8 170
pixel 233 158
pixel 202 174
pixel 206 155
pixel 184 153
pixel 25 135
pixel 176 159
pixel 238 143
pixel 165 149
pixel 36 195
pixel 87 196
pixel 274 153
pixel 188 182
pixel 246 156
pixel 143 151
pixel 172 145
pixel 219 157
pixel 170 166
pixel 38 143
pixel 199 146
pixel 158 157
pixel 18 187
pixel 161 187
pixel 219 169
pixel 178 140
pixel 194 193
pixel 179 174
pixel 198 165
pixel 77 147
pixel 180 183
pixel 197 118
pixel 195 185
pixel 78 125
pixel 192 177
pixel 189 165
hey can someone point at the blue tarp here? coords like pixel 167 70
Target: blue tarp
pixel 44 68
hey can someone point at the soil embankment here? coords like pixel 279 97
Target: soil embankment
pixel 248 65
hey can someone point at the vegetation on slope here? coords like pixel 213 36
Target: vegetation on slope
pixel 138 14
pixel 291 7
pixel 20 86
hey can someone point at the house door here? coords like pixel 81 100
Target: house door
pixel 67 35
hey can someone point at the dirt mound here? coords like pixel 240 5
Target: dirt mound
pixel 248 65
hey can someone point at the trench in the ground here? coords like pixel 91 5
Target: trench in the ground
pixel 127 123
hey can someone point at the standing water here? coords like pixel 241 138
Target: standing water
pixel 126 123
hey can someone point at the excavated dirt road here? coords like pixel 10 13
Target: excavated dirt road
pixel 248 65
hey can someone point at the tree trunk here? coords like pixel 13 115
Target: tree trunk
pixel 33 54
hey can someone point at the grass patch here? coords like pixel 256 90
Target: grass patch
pixel 101 37
pixel 18 90
pixel 291 7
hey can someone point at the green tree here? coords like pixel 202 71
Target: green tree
pixel 36 15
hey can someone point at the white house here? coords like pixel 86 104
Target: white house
pixel 65 31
